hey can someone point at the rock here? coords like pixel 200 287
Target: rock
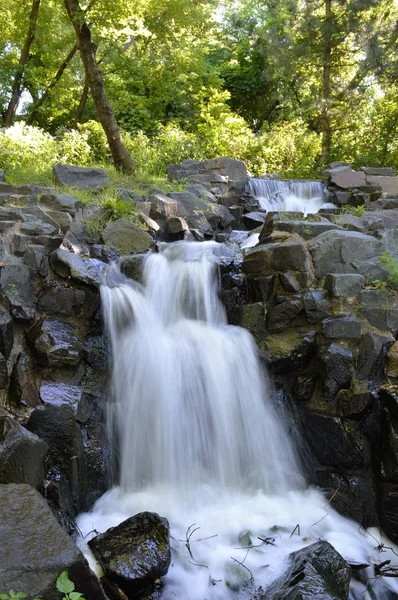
pixel 68 301
pixel 305 387
pixel 26 521
pixel 344 252
pixel 385 171
pixel 289 283
pixel 56 424
pixel 201 192
pixel 80 177
pixel 22 455
pixel 267 258
pixel 135 553
pixel 37 228
pixel 254 219
pixel 2 176
pixel 176 228
pixel 351 223
pixel 341 198
pixel 126 237
pixel 252 318
pixel 227 167
pixel 150 223
pixel 335 444
pixel 6 333
pixel 344 284
pixel 317 572
pixel 307 229
pixel 23 386
pixel 278 317
pixel 384 319
pixel 17 283
pixel 218 216
pixel 55 344
pixel 388 510
pixel 56 394
pixel 373 298
pixel 392 361
pixel 19 244
pixel 36 258
pixel 60 202
pixel 62 219
pixel 4 379
pixel 288 351
pixel 345 327
pixel 316 306
pixel 163 207
pixel 86 270
pixel 199 222
pixel 346 178
pixel 339 364
pixel 389 185
pixel 371 356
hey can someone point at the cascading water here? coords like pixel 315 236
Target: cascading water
pixel 289 196
pixel 199 439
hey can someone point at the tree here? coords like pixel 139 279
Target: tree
pixel 121 157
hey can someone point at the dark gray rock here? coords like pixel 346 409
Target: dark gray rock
pixel 201 192
pixel 62 219
pixel 68 301
pixel 176 228
pixel 316 306
pixel 37 228
pixel 388 509
pixel 384 319
pixel 19 244
pixel 346 178
pixel 254 219
pixel 4 379
pixel 289 283
pixel 345 252
pixel 26 521
pixel 199 222
pixel 163 207
pixel 317 572
pixel 305 387
pixel 17 283
pixel 86 270
pixel 80 177
pixel 55 343
pixel 135 553
pixel 6 333
pixel 36 259
pixel 346 327
pixel 22 455
pixel 226 167
pixel 126 237
pixel 307 229
pixel 23 387
pixel 374 299
pixel 56 394
pixel 335 444
pixel 339 364
pixel 371 356
pixel 279 316
pixel 344 284
pixel 387 171
pixel 60 202
pixel 295 357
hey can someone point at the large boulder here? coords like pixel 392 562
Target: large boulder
pixel 339 364
pixel 85 270
pixel 23 388
pixel 317 572
pixel 60 203
pixel 126 237
pixel 55 343
pixel 22 454
pixel 35 549
pixel 135 553
pixel 227 167
pixel 371 356
pixel 80 177
pixel 17 283
pixel 388 184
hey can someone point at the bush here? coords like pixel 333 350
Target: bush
pixel 25 148
pixel 96 139
pixel 73 148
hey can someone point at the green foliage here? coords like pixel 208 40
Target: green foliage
pixel 23 147
pixel 15 596
pixel 392 266
pixel 67 587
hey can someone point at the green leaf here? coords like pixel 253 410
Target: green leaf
pixel 64 584
pixel 4 596
pixel 75 596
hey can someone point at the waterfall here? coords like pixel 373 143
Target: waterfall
pixel 290 196
pixel 198 437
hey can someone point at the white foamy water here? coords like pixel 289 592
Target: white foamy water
pixel 199 440
pixel 306 197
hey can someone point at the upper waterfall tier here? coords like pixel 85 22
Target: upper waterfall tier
pixel 290 196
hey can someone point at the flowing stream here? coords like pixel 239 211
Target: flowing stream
pixel 199 441
pixel 306 197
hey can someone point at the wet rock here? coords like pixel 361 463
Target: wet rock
pixel 17 283
pixel 339 363
pixel 345 327
pixel 56 424
pixel 260 290
pixel 26 524
pixel 126 237
pixel 344 284
pixel 23 387
pixel 289 350
pixel 86 270
pixel 80 177
pixel 334 444
pixel 263 260
pixel 344 252
pixel 55 344
pixel 305 387
pixel 279 316
pixel 68 301
pixel 254 219
pixel 56 394
pixel 392 361
pixel 252 318
pixel 135 553
pixel 316 306
pixel 388 510
pixel 315 572
pixel 6 333
pixel 4 379
pixel 22 455
pixel 371 356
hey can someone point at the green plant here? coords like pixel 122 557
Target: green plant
pixel 377 284
pixel 14 596
pixel 392 266
pixel 67 587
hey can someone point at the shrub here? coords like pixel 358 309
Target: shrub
pixel 73 148
pixel 25 148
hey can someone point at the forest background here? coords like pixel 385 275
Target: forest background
pixel 287 86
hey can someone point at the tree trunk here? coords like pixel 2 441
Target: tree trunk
pixel 37 105
pixel 82 103
pixel 121 157
pixel 326 85
pixel 9 115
